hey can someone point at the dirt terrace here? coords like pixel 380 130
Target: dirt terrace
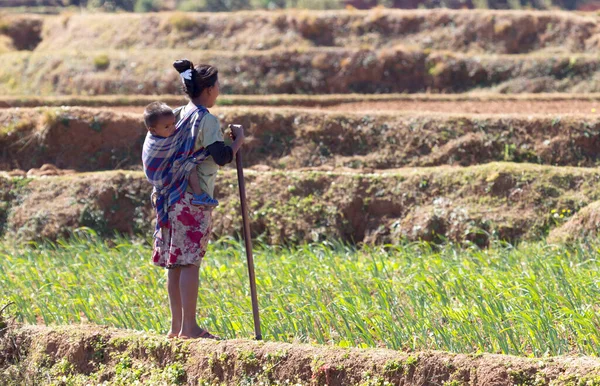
pixel 88 139
pixel 92 354
pixel 478 204
pixel 298 71
pixel 481 31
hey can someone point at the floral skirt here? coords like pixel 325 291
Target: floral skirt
pixel 185 241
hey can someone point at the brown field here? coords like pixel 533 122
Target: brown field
pixel 531 107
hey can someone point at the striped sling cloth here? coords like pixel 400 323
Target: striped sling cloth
pixel 169 161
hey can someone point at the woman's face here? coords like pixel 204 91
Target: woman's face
pixel 213 94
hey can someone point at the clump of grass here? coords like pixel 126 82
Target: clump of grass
pixel 393 367
pixel 182 22
pixel 50 119
pixel 101 62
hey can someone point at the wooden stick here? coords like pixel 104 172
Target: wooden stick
pixel 248 242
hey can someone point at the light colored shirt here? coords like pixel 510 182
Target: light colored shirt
pixel 209 132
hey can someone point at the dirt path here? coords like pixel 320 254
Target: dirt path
pixel 479 107
pixel 457 107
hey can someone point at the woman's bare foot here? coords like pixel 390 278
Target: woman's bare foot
pixel 172 335
pixel 197 333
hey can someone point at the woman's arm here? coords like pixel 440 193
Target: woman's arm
pixel 223 154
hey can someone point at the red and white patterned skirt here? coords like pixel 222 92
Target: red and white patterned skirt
pixel 185 241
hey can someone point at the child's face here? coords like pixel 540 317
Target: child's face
pixel 165 127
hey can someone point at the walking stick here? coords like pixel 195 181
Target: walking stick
pixel 248 242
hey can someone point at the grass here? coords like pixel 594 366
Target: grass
pixel 537 300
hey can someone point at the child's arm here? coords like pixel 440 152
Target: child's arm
pixel 195 182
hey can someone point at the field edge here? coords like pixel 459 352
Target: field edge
pixel 88 353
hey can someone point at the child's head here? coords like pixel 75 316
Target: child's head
pixel 159 119
pixel 199 81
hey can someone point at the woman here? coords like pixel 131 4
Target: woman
pixel 184 243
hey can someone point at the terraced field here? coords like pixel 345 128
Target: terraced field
pixel 307 52
pixel 359 132
pixel 427 169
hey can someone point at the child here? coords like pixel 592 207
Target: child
pixel 160 122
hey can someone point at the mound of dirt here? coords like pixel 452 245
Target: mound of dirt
pixel 477 204
pixel 474 31
pixel 88 139
pixel 90 354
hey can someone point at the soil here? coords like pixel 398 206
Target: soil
pixel 317 173
pixel 527 107
pixel 99 354
pixel 475 204
pixel 89 139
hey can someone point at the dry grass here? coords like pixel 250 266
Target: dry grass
pixel 474 31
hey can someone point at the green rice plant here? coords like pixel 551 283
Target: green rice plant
pixel 537 299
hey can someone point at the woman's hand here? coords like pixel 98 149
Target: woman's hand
pixel 237 132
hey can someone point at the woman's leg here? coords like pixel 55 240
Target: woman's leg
pixel 173 284
pixel 188 289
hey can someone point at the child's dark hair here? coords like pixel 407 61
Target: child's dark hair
pixel 199 79
pixel 153 112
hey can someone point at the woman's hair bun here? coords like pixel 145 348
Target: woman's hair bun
pixel 183 65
